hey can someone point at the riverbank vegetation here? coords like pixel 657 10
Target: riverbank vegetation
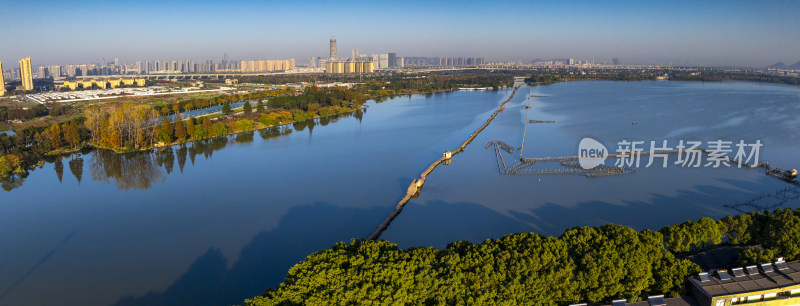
pixel 584 264
pixel 722 76
pixel 550 77
pixel 763 235
pixel 555 77
pixel 129 126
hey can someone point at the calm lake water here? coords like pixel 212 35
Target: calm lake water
pixel 215 222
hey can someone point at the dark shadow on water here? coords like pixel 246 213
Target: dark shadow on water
pixel 660 210
pixel 266 259
pixel 438 223
pixel 38 264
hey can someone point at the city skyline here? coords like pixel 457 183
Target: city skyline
pixel 678 33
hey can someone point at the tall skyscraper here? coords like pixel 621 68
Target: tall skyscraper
pixel 2 81
pixel 25 73
pixel 333 47
pixel 392 60
pixel 355 54
pixel 615 61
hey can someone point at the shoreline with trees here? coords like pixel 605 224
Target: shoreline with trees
pixel 130 127
pixel 558 76
pixel 584 264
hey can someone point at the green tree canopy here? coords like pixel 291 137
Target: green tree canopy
pixel 584 264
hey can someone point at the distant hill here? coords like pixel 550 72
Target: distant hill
pixel 778 65
pixel 781 65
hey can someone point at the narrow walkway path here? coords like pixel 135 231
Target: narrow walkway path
pixel 416 185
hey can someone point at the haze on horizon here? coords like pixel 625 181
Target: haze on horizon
pixel 739 33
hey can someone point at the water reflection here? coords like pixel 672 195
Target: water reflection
pixel 59 167
pixel 166 158
pixel 274 132
pixel 127 171
pixel 300 126
pixel 76 167
pixel 246 137
pixel 141 170
pixel 182 151
pixel 13 182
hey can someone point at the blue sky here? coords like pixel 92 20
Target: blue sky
pixel 747 33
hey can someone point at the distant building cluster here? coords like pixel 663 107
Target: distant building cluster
pixel 349 66
pixel 101 84
pixel 573 62
pixel 357 63
pixel 139 67
pixel 444 61
pixel 266 66
pixel 180 66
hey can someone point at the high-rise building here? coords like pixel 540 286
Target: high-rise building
pixel 211 66
pixel 355 54
pixel 333 47
pixel 375 58
pixel 25 73
pixel 321 62
pixel 615 61
pixel 383 61
pixel 392 60
pixel 71 70
pixel 54 71
pixel 42 72
pixel 2 81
